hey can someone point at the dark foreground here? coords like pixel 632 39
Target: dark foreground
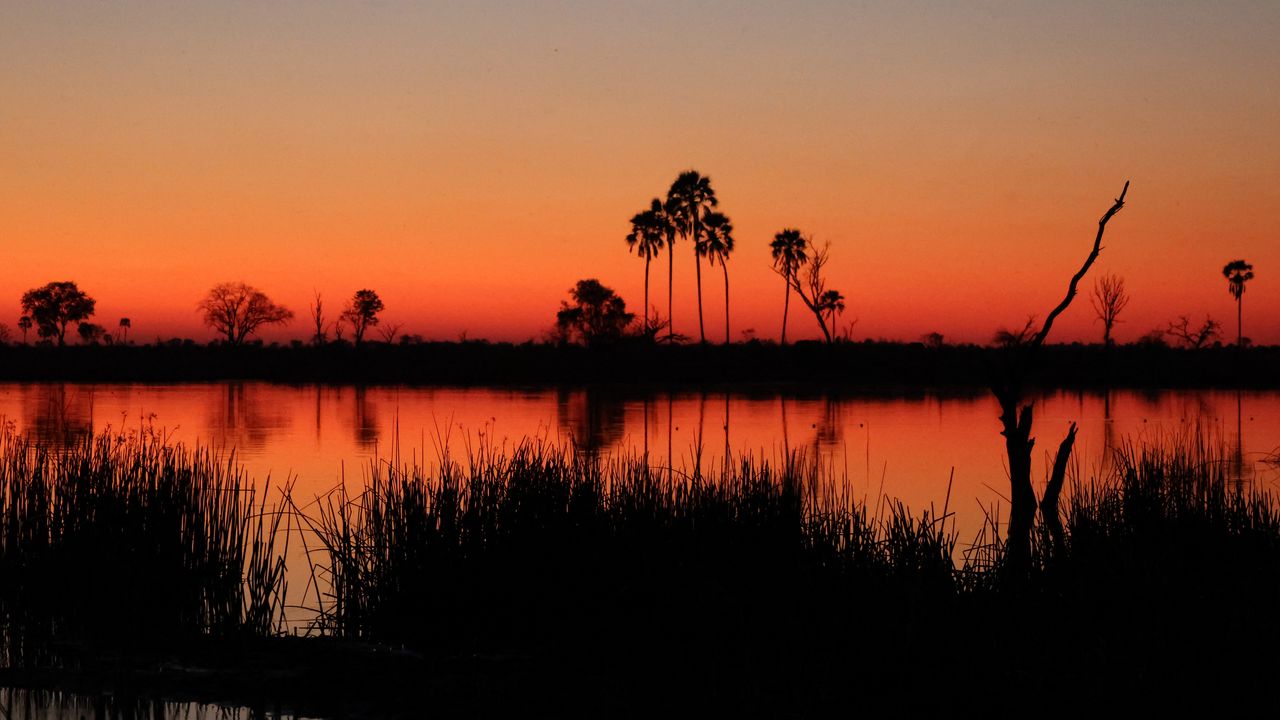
pixel 534 580
pixel 806 364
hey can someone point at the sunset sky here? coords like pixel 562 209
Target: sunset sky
pixel 471 161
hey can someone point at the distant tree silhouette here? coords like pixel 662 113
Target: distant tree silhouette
pixel 236 310
pixel 790 251
pixel 1109 299
pixel 1237 273
pixel 1194 339
pixel 389 332
pixel 1008 338
pixel 124 325
pixel 688 200
pixel 594 315
pixel 719 244
pixel 933 339
pixel 810 285
pixel 1016 421
pixel 24 324
pixel 648 234
pixel 90 333
pixel 321 335
pixel 55 305
pixel 362 313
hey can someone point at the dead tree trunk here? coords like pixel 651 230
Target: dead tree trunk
pixel 1016 421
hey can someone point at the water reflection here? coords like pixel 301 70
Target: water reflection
pixel 593 419
pixel 58 414
pixel 245 418
pixel 904 447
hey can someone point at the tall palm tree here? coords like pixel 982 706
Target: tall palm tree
pixel 719 242
pixel 790 251
pixel 690 197
pixel 647 236
pixel 1237 273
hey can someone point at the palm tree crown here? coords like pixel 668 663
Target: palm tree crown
pixel 649 230
pixel 1237 273
pixel 790 251
pixel 719 245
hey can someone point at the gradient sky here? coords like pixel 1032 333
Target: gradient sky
pixel 471 161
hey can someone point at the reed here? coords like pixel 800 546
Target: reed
pixel 127 539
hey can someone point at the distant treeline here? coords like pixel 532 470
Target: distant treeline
pixel 879 365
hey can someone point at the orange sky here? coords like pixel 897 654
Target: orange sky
pixel 471 163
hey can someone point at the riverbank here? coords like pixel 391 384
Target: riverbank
pixel 900 366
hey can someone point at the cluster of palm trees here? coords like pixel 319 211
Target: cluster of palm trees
pixel 689 214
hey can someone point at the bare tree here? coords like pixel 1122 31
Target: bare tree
pixel 1109 299
pixel 1194 339
pixel 389 332
pixel 321 335
pixel 1016 421
pixel 237 310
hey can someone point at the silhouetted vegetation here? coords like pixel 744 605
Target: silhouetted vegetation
pixel 236 311
pixel 55 305
pixel 1237 273
pixel 593 315
pixel 1181 330
pixel 536 574
pixel 361 313
pixel 126 539
pixel 1109 300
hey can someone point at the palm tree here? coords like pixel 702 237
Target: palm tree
pixel 690 197
pixel 719 244
pixel 648 233
pixel 1237 273
pixel 789 252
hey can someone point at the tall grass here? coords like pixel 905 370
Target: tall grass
pixel 130 540
pixel 537 546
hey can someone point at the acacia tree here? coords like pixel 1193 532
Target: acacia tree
pixel 1237 273
pixel 596 314
pixel 1016 420
pixel 688 200
pixel 719 244
pixel 362 313
pixel 236 310
pixel 55 305
pixel 1194 339
pixel 1109 298
pixel 789 250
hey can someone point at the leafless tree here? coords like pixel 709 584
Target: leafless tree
pixel 321 335
pixel 1194 339
pixel 1007 338
pixel 237 310
pixel 1016 421
pixel 1109 299
pixel 389 332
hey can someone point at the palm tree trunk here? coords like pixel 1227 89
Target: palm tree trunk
pixel 1240 320
pixel 786 305
pixel 646 296
pixel 671 273
pixel 697 261
pixel 725 268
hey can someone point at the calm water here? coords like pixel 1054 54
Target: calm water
pixel 895 446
